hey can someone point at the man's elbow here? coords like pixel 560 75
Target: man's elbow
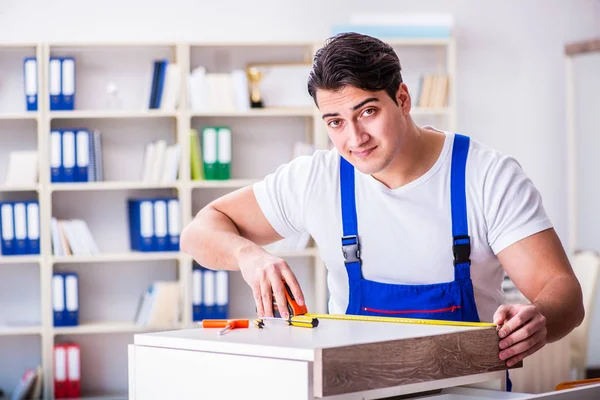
pixel 187 239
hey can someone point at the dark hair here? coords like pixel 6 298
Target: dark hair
pixel 353 59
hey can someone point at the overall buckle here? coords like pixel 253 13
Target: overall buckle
pixel 351 249
pixel 461 251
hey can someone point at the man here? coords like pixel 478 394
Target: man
pixel 429 221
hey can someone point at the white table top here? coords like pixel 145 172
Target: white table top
pixel 278 340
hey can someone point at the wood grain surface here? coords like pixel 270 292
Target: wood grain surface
pixel 585 46
pixel 400 362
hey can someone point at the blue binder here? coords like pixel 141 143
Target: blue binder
pixel 20 219
pixel 68 155
pixel 67 83
pixel 65 298
pixel 160 225
pixel 7 227
pixel 82 155
pixel 55 83
pixel 141 224
pixel 33 228
pixel 71 299
pixel 56 167
pixel 174 224
pixel 30 77
pixel 197 293
pixel 221 294
pixel 58 299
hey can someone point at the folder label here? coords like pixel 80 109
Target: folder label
pixel 33 224
pixel 7 222
pixel 73 363
pixel 209 146
pixel 224 145
pixel 58 293
pixel 71 288
pixel 196 286
pixel 222 287
pixel 60 361
pixel 146 219
pixel 209 288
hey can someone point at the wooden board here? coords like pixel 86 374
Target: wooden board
pixel 353 356
pixel 582 47
pixel 401 362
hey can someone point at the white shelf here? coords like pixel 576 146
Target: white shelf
pixel 417 41
pixel 26 259
pixel 114 114
pixel 114 185
pixel 110 327
pixel 229 183
pixel 260 112
pixel 32 115
pixel 28 188
pixel 20 330
pixel 118 257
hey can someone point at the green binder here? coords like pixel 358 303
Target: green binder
pixel 224 153
pixel 209 152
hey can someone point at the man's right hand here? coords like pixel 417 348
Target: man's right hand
pixel 264 273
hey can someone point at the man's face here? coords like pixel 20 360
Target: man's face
pixel 365 127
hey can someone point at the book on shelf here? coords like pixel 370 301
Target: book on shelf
pixel 432 91
pixel 75 155
pixel 20 227
pixel 159 305
pixel 61 83
pixel 210 293
pixel 67 370
pixel 218 91
pixel 72 237
pixel 29 385
pixel 165 86
pixel 154 224
pixel 161 162
pixel 65 298
pixel 196 162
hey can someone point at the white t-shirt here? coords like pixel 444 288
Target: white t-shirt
pixel 406 233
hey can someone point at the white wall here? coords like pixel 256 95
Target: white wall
pixel 511 82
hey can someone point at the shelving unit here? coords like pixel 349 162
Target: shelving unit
pixel 111 283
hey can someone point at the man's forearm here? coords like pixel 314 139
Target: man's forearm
pixel 560 303
pixel 214 241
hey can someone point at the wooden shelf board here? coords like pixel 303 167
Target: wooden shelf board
pixel 118 257
pixel 111 114
pixel 24 259
pixel 229 183
pixel 20 330
pixel 259 112
pixel 109 327
pixel 110 185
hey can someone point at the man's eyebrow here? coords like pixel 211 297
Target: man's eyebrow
pixel 356 107
pixel 362 103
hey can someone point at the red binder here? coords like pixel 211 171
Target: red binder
pixel 60 371
pixel 73 370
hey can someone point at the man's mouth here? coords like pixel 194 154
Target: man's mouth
pixel 363 153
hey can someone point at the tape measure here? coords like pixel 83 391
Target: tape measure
pixel 295 310
pixel 396 320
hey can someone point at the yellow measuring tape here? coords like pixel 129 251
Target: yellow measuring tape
pixel 399 320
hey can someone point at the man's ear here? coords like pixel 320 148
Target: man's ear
pixel 402 97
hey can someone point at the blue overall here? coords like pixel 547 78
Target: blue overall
pixel 453 300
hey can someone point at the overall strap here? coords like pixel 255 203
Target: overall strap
pixel 350 242
pixel 461 242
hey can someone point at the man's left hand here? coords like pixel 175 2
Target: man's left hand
pixel 522 331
